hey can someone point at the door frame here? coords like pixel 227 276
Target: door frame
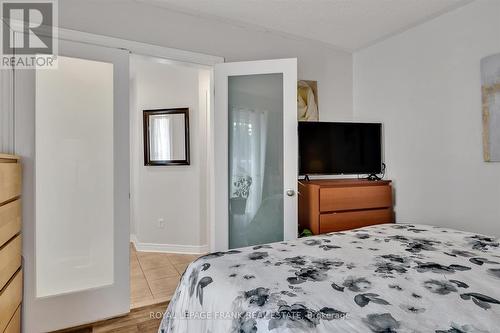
pixel 132 47
pixel 221 143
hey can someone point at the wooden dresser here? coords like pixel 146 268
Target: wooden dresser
pixel 11 275
pixel 343 204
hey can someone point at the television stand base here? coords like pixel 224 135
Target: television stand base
pixel 373 177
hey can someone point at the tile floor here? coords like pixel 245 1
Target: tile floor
pixel 154 276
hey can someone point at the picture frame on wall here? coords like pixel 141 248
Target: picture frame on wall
pixel 307 100
pixel 490 89
pixel 166 137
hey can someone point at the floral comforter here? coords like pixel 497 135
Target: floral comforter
pixel 385 278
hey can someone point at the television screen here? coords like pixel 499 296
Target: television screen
pixel 340 148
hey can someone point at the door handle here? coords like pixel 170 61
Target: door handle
pixel 290 192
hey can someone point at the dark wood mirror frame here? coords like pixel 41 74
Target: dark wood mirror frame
pixel 147 143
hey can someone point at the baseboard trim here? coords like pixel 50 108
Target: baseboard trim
pixel 133 239
pixel 170 248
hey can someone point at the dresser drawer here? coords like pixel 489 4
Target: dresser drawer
pixel 352 220
pixel 10 260
pixel 10 298
pixel 332 199
pixel 14 325
pixel 10 180
pixel 10 220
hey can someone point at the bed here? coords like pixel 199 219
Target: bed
pixel 384 278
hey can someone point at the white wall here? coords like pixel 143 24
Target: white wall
pixel 424 85
pixel 6 113
pixel 176 194
pixel 138 21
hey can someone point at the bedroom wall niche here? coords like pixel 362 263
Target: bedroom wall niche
pixel 169 203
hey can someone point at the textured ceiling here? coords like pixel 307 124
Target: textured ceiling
pixel 346 24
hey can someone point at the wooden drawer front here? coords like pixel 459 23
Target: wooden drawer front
pixel 10 260
pixel 352 198
pixel 10 181
pixel 352 220
pixel 10 298
pixel 14 325
pixel 10 220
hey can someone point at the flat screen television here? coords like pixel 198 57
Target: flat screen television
pixel 340 148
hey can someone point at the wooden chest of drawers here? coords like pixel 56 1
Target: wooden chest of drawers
pixel 343 204
pixel 11 275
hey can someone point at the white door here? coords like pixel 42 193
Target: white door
pixel 255 156
pixel 72 131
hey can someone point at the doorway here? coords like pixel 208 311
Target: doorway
pixel 169 203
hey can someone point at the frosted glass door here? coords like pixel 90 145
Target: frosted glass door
pixel 74 176
pixel 255 159
pixel 72 130
pixel 255 153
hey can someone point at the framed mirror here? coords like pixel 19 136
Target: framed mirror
pixel 166 136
